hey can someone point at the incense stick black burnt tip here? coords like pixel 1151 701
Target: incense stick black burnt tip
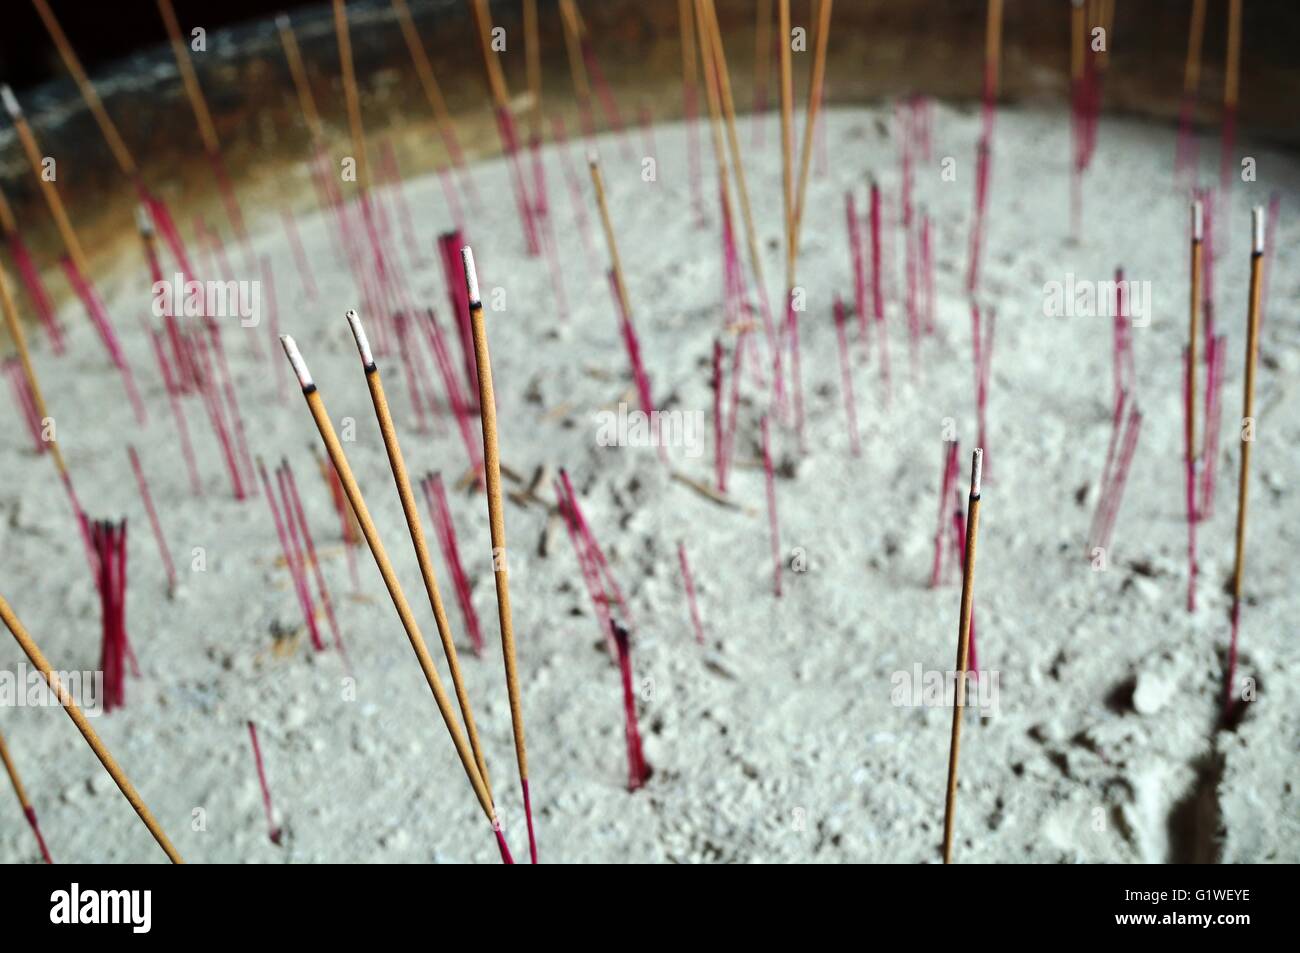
pixel 976 471
pixel 471 277
pixel 363 345
pixel 620 634
pixel 299 365
pixel 1257 229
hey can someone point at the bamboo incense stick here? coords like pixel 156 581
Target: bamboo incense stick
pixel 1248 429
pixel 963 649
pixel 29 812
pixel 33 653
pixel 435 495
pixel 496 520
pixel 341 466
pixel 809 129
pixel 414 526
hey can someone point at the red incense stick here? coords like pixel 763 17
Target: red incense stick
pixel 273 831
pixel 846 378
pixel 600 600
pixel 295 514
pixel 878 290
pixel 689 583
pixel 36 291
pixel 436 496
pixel 593 548
pixel 770 478
pixel 950 466
pixel 859 269
pixel 638 771
pixel 23 398
pixel 207 390
pixel 290 558
pixel 152 513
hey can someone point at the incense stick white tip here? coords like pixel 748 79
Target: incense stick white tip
pixel 1198 220
pixel 11 103
pixel 363 345
pixel 143 221
pixel 295 359
pixel 471 275
pixel 593 157
pixel 976 471
pixel 282 21
pixel 1257 224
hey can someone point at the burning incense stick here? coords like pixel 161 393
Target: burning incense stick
pixel 497 523
pixel 963 650
pixel 1247 440
pixel 128 790
pixel 274 832
pixel 416 529
pixel 638 771
pixel 29 812
pixel 153 519
pixel 335 449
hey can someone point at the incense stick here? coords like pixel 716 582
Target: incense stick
pixel 416 529
pixel 496 521
pixel 294 514
pixel 638 771
pixel 963 650
pixel 292 559
pixel 341 466
pixel 274 832
pixel 688 582
pixel 29 812
pixel 33 653
pixel 1247 439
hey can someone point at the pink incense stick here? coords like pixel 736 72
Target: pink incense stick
pixel 299 255
pixel 878 289
pixel 98 314
pixel 299 585
pixel 1115 492
pixel 927 273
pixel 239 435
pixel 275 833
pixel 299 557
pixel 110 545
pixel 633 346
pixel 600 600
pixel 796 370
pixel 688 582
pixel 574 183
pixel 29 812
pixel 846 378
pixel 1210 452
pixel 638 771
pixel 436 496
pixel 152 513
pixel 27 406
pixel 719 433
pixel 36 291
pixel 593 548
pixel 950 467
pixel 207 390
pixel 859 269
pixel 770 478
pixel 510 145
pixel 1189 466
pixel 295 514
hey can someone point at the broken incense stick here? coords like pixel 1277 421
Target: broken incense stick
pixel 963 650
pixel 316 406
pixel 274 832
pixel 1248 428
pixel 411 513
pixel 29 812
pixel 497 524
pixel 128 790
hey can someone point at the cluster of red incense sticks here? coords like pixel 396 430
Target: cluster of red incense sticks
pixel 109 541
pixel 436 496
pixel 602 587
pixel 638 770
pixel 273 830
pixel 299 551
